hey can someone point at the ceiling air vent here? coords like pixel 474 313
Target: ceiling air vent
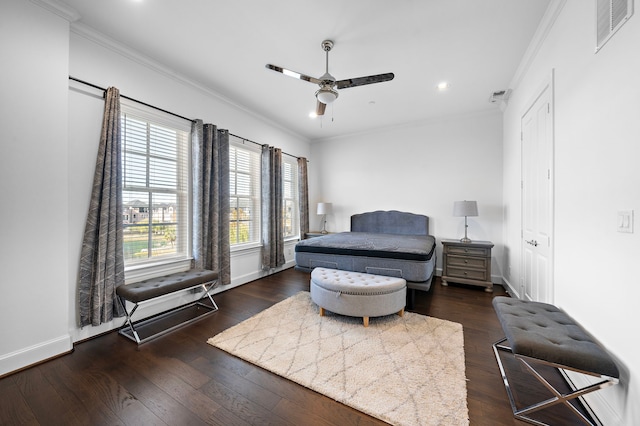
pixel 610 16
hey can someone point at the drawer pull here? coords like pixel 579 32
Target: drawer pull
pixel 466 261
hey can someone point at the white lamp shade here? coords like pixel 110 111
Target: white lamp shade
pixel 324 208
pixel 465 208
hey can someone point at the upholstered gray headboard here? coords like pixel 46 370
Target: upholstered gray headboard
pixel 390 222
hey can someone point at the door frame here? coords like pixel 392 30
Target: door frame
pixel 547 84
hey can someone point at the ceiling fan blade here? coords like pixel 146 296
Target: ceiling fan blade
pixel 320 107
pixel 293 74
pixel 361 81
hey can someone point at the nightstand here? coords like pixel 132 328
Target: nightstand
pixel 467 263
pixel 312 234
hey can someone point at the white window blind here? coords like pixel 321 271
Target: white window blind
pixel 290 208
pixel 244 170
pixel 155 166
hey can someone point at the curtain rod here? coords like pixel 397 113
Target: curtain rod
pixel 258 143
pixel 165 111
pixel 132 99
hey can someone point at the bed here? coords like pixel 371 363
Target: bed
pixel 390 243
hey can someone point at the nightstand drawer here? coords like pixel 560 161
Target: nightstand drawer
pixel 470 251
pixel 467 261
pixel 471 274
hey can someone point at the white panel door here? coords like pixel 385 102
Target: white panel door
pixel 537 199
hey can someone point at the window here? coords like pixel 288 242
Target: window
pixel 244 170
pixel 155 180
pixel 290 209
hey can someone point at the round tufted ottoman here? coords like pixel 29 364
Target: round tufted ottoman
pixel 357 294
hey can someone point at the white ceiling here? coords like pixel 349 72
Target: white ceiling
pixel 475 45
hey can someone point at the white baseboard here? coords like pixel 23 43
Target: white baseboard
pixel 597 405
pixel 34 354
pixel 252 276
pixel 509 288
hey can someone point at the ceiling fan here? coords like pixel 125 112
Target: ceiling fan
pixel 328 84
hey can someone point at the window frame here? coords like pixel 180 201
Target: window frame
pixel 253 199
pixel 162 264
pixel 294 200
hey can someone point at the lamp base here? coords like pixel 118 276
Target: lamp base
pixel 465 240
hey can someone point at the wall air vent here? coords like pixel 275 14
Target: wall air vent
pixel 610 16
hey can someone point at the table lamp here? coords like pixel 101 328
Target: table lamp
pixel 324 209
pixel 465 208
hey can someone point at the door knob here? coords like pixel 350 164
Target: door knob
pixel 532 242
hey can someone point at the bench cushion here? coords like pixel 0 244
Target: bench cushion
pixel 356 283
pixel 154 287
pixel 542 331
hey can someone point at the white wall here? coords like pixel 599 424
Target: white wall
pixel 33 184
pixel 420 168
pixel 597 134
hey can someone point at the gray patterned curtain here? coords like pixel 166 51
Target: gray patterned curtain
pixel 101 258
pixel 271 210
pixel 303 195
pixel 210 159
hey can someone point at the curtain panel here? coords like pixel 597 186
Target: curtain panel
pixel 211 207
pixel 101 257
pixel 271 209
pixel 303 196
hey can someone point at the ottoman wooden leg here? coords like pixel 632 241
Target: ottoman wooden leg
pixel 365 321
pixel 401 313
pixel 321 311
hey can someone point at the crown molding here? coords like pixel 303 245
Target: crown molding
pixel 58 8
pixel 495 112
pixel 546 24
pixel 140 58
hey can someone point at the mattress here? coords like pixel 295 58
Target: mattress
pixel 411 257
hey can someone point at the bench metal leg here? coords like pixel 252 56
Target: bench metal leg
pixel 558 397
pixel 128 322
pixel 128 328
pixel 207 294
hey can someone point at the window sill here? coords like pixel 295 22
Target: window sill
pixel 136 273
pixel 245 247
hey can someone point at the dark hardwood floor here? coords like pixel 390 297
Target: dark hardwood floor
pixel 178 379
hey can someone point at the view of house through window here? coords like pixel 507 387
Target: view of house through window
pixel 156 188
pixel 155 167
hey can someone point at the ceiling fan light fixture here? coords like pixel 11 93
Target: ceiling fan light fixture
pixel 327 95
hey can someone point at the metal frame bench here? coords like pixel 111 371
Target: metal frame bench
pixel 146 291
pixel 540 334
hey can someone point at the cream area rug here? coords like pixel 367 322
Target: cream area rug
pixel 403 370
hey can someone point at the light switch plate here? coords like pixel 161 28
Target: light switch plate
pixel 625 221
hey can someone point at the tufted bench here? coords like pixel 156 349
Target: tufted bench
pixel 145 291
pixel 357 294
pixel 540 333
